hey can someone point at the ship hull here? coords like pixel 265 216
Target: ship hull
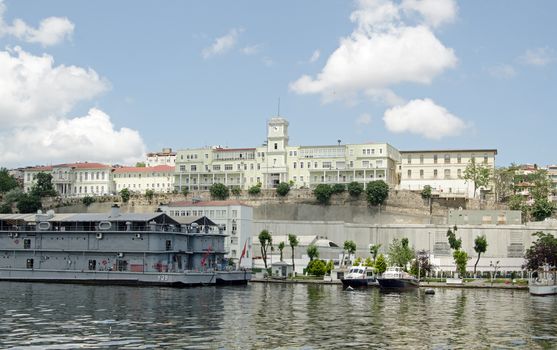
pixel 397 283
pixel 358 282
pixel 543 290
pixel 232 277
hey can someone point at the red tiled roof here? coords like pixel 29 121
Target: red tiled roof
pixel 133 169
pixel 85 165
pixel 206 204
pixel 40 168
pixel 234 149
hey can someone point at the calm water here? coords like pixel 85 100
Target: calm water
pixel 259 316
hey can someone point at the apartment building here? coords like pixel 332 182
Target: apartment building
pixel 443 170
pixel 235 217
pixel 165 157
pixel 75 179
pixel 276 161
pixel 159 179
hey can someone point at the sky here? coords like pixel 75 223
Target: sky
pixel 109 81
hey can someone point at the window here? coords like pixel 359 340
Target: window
pixel 421 173
pixel 27 243
pixel 92 264
pixel 29 264
pixel 237 166
pixel 435 159
pixel 409 173
pixel 193 168
pixel 459 173
pixel 228 167
pixel 168 245
pixel 182 168
pixel 327 165
pixel 409 159
pixel 485 158
pixel 447 173
pixel 447 158
pixel 301 165
pixel 458 158
pixel 294 165
pixel 379 164
pixel 276 145
pixel 421 159
pixel 251 166
pixel 435 173
pixel 315 165
pixel 365 164
pixel 309 165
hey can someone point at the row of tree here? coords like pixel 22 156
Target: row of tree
pixel 12 193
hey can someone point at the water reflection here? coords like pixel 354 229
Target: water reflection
pixel 42 316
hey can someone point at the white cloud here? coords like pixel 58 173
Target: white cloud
pixel 251 50
pixel 425 118
pixel 51 30
pixel 540 56
pixel 381 52
pixel 33 88
pixel 222 44
pixel 90 138
pixel 434 12
pixel 502 71
pixel 363 119
pixel 314 56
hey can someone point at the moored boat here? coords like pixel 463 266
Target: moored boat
pixel 397 279
pixel 545 281
pixel 359 276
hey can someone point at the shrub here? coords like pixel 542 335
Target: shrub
pixel 322 193
pixel 426 192
pixel 236 190
pixel 377 191
pixel 355 189
pixel 149 194
pixel 317 268
pixel 185 191
pixel 29 204
pixel 255 190
pixel 125 194
pixel 283 188
pixel 88 200
pixel 338 188
pixel 219 191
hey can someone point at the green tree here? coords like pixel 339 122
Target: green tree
pixel 43 186
pixel 293 241
pixel 28 203
pixel 338 188
pixel 377 191
pixel 478 174
pixel 281 248
pixel 283 188
pixel 421 265
pixel 542 251
pixel 322 193
pixel 7 181
pixel 255 190
pixel 355 188
pixel 368 262
pixel 149 194
pixel 454 243
pixel 400 252
pixel 480 247
pixel 460 258
pixel 349 247
pixel 542 208
pixel 185 191
pixel 503 182
pixel 266 241
pixel 374 249
pixel 358 261
pixel 125 194
pixel 219 191
pixel 316 268
pixel 87 200
pixel 330 266
pixel 13 195
pixel 312 252
pixel 426 192
pixel 140 164
pixel 236 190
pixel 381 264
pixel 5 208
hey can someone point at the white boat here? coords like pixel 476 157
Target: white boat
pixel 545 281
pixel 359 276
pixel 397 279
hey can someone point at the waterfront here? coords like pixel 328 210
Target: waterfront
pixel 271 316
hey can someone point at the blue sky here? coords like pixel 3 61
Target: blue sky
pixel 109 80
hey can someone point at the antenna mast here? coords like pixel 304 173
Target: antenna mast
pixel 278 111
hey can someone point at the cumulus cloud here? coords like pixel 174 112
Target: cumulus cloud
pixel 314 56
pixel 540 56
pixel 91 137
pixel 502 71
pixel 425 118
pixel 434 12
pixel 51 30
pixel 363 119
pixel 222 44
pixel 383 51
pixel 33 88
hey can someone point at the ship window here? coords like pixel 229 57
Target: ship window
pixel 26 244
pixel 121 265
pixel 168 244
pixel 29 263
pixel 92 264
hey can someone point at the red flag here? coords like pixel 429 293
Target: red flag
pixel 205 256
pixel 243 252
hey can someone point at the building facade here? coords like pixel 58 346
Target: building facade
pixel 233 216
pixel 276 161
pixel 443 170
pixel 159 179
pixel 74 180
pixel 165 157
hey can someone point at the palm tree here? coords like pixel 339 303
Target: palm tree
pixel 313 252
pixel 374 250
pixel 349 247
pixel 280 248
pixel 480 246
pixel 266 241
pixel 293 240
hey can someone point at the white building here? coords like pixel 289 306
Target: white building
pixel 159 179
pixel 165 157
pixel 277 161
pixel 234 215
pixel 75 179
pixel 443 170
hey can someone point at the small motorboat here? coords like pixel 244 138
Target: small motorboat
pixel 359 276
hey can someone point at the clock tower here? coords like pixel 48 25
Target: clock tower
pixel 277 140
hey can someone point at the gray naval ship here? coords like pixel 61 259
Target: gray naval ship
pixel 114 248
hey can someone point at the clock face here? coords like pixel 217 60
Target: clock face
pixel 275 128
